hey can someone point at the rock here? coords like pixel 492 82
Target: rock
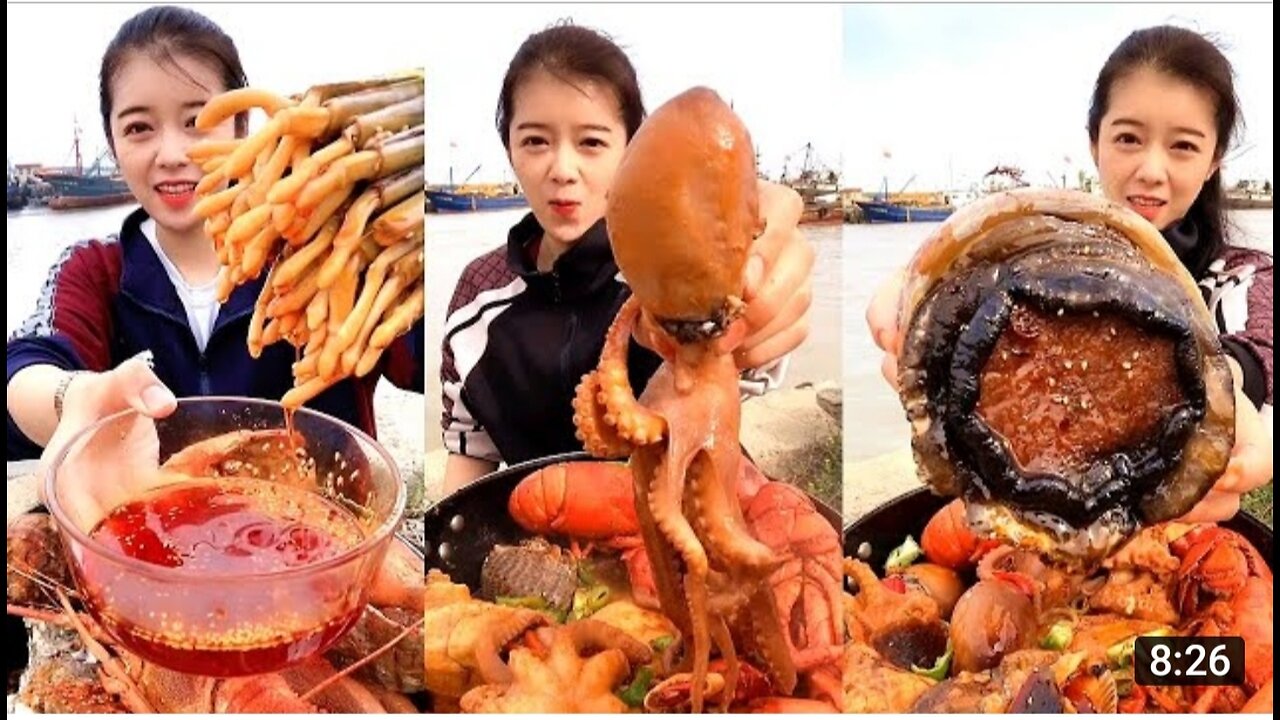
pixel 872 482
pixel 414 530
pixel 402 431
pixel 831 399
pixel 784 429
pixel 433 475
pixel 21 494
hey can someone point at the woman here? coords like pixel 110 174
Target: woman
pixel 528 320
pixel 150 291
pixel 1161 118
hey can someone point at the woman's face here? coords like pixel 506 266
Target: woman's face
pixel 566 142
pixel 153 114
pixel 1156 145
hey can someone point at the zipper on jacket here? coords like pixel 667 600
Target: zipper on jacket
pixel 555 286
pixel 566 352
pixel 205 384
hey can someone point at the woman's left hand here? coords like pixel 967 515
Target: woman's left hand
pixel 1250 464
pixel 778 282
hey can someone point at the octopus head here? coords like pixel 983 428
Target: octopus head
pixel 682 213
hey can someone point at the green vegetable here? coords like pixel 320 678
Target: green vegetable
pixel 1059 636
pixel 902 556
pixel 661 643
pixel 588 600
pixel 1124 682
pixel 533 602
pixel 585 575
pixel 633 694
pixel 1120 655
pixel 529 602
pixel 939 670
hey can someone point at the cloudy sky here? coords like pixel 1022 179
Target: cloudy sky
pixel 780 67
pixel 946 91
pixel 54 52
pixel 950 91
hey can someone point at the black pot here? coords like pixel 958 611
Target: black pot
pixel 462 528
pixel 888 525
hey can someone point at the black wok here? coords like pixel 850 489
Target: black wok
pixel 888 525
pixel 462 528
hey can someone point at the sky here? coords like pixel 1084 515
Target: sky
pixel 53 54
pixel 946 91
pixel 779 66
pixel 937 95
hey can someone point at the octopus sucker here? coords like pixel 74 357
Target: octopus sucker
pixel 1061 372
pixel 598 437
pixel 771 645
pixel 720 520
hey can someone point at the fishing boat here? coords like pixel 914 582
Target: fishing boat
pixel 17 196
pixel 1250 195
pixel 880 211
pixel 1002 178
pixel 818 186
pixel 473 197
pixel 905 207
pixel 77 187
pixel 464 200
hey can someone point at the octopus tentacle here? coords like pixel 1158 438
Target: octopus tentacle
pixel 646 464
pixel 724 641
pixel 719 515
pixel 771 643
pixel 594 635
pixel 666 503
pixel 600 674
pixel 631 419
pixel 495 637
pixel 598 437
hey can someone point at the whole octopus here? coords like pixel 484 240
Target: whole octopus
pixel 682 215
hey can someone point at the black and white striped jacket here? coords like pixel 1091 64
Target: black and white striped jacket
pixel 518 341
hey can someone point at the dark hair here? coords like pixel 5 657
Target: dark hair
pixel 163 32
pixel 571 52
pixel 1190 57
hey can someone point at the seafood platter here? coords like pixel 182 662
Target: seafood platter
pixel 952 623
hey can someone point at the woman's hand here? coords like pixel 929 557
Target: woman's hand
pixel 778 283
pixel 1250 464
pixel 89 397
pixel 882 320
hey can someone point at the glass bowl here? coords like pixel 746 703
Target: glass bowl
pixel 218 542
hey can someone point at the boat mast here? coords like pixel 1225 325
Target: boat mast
pixel 75 145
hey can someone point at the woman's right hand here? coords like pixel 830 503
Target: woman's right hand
pixel 882 319
pixel 89 397
pixel 1250 465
